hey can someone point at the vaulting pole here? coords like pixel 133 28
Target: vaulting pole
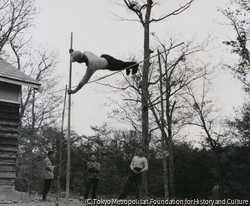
pixel 60 150
pixel 68 144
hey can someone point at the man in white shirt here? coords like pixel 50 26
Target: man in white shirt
pixel 138 165
pixel 95 63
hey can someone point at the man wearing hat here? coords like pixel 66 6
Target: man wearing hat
pixel 47 171
pixel 94 63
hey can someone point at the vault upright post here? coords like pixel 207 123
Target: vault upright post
pixel 68 144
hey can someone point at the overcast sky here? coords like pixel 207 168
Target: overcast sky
pixel 95 28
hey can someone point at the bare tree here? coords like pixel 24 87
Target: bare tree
pixel 38 110
pixel 16 18
pixel 167 89
pixel 205 116
pixel 237 13
pixel 143 12
pixel 168 78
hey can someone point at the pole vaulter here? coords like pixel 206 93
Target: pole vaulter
pixel 94 63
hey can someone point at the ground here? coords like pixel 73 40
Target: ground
pixel 36 201
pixel 72 203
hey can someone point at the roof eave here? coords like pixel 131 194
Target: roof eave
pixel 18 82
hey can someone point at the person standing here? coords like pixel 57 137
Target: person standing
pixel 93 169
pixel 47 172
pixel 138 165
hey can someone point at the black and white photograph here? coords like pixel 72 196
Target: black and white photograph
pixel 124 102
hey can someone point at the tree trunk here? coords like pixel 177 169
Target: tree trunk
pixel 163 134
pixel 171 168
pixel 168 137
pixel 144 100
pixel 165 171
pixel 30 164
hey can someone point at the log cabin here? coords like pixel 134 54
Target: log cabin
pixel 11 82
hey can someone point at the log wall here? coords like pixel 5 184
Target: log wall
pixel 9 133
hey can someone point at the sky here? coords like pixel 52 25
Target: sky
pixel 96 27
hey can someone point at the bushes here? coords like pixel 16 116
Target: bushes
pixel 196 170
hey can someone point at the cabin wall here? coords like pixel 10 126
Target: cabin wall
pixel 9 133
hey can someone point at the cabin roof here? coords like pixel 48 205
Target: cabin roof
pixel 10 74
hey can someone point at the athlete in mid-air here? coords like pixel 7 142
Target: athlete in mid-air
pixel 94 63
